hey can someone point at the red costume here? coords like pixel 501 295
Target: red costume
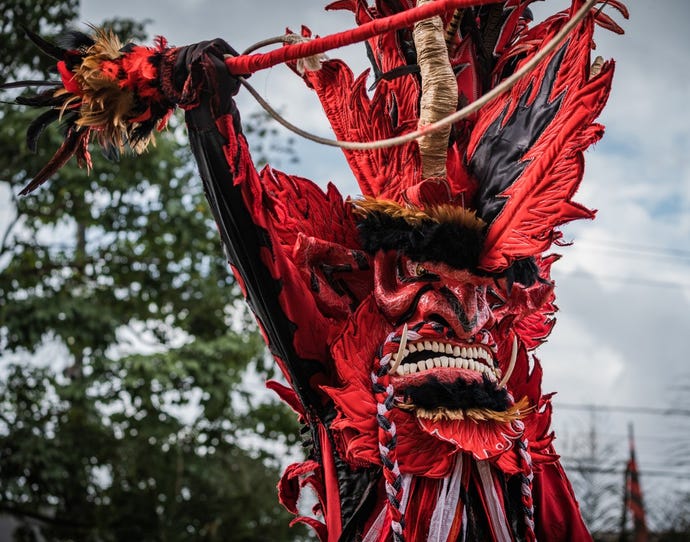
pixel 404 321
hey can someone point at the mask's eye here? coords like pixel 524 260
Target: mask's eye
pixel 411 271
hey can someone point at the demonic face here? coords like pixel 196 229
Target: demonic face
pixel 445 362
pixel 444 339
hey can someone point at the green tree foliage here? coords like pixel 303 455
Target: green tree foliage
pixel 125 412
pixel 17 54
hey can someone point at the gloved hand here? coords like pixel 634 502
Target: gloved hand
pixel 196 73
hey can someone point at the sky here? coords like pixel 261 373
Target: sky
pixel 623 287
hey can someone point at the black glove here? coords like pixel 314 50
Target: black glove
pixel 197 73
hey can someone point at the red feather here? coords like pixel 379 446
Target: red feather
pixel 540 199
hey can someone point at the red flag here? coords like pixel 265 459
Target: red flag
pixel 633 497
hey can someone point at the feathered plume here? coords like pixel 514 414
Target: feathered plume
pixel 107 92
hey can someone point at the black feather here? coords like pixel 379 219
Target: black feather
pixel 75 40
pixel 44 99
pixel 69 148
pixel 51 49
pixel 68 123
pixel 29 83
pixel 142 131
pixel 37 126
pixel 111 153
pixel 498 160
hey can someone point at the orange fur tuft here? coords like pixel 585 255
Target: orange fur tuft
pixel 444 213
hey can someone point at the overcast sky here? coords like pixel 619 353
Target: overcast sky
pixel 623 288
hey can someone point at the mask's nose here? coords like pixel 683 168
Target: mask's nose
pixel 462 308
pixel 450 298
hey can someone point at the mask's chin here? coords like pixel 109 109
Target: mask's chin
pixel 457 395
pixel 474 431
pixel 474 415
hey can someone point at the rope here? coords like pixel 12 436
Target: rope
pixel 246 64
pixel 463 113
pixel 439 93
pixel 526 490
pixel 388 438
pixel 264 43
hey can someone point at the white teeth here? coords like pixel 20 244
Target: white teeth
pixel 472 358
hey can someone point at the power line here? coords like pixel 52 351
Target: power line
pixel 586 460
pixel 655 438
pixel 653 411
pixel 569 433
pixel 661 473
pixel 639 250
pixel 627 250
pixel 630 281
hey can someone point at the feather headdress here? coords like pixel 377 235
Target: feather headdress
pixel 107 92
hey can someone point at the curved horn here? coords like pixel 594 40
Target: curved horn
pixel 439 92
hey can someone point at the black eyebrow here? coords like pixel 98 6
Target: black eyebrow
pixel 449 243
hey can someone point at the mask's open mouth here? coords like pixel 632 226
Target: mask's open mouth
pixel 424 356
pixel 439 377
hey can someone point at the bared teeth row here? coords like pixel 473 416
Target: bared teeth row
pixel 467 352
pixel 443 355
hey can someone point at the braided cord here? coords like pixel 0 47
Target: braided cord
pixel 388 438
pixel 526 490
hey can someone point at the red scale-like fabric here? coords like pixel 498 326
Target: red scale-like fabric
pixel 356 117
